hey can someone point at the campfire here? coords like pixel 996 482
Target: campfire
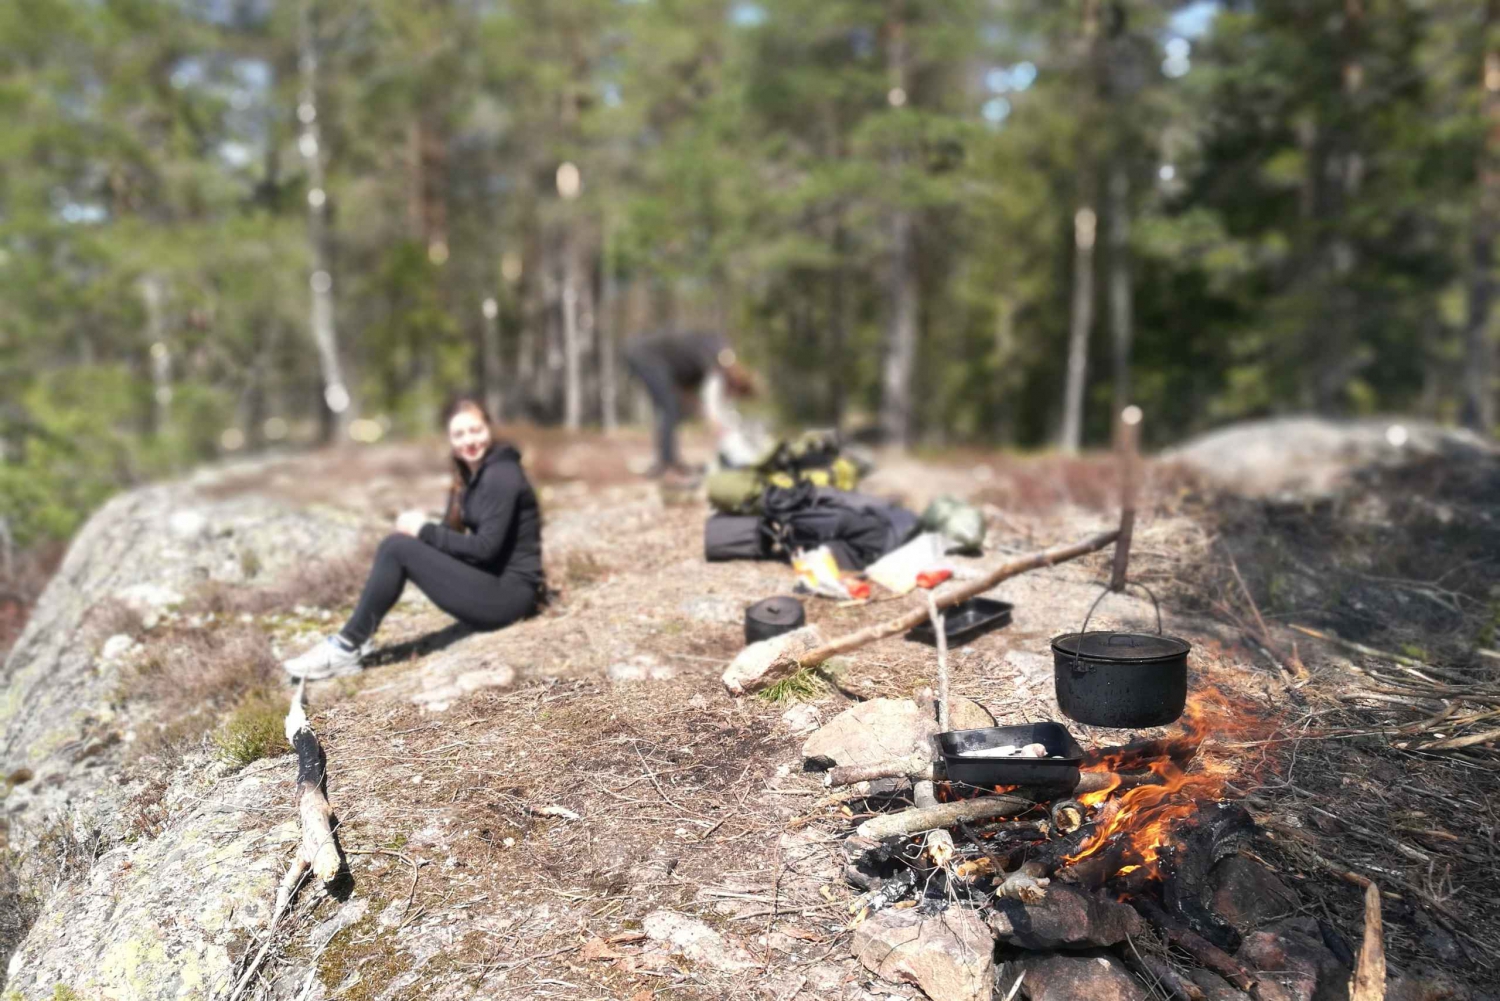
pixel 1129 845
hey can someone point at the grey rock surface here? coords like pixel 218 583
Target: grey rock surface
pixel 872 732
pixel 949 955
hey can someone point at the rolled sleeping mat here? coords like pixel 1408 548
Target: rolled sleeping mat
pixel 772 617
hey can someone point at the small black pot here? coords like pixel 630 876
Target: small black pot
pixel 1126 680
pixel 772 617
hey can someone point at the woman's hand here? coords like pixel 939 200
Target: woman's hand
pixel 410 522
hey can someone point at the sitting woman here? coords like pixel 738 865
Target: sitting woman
pixel 482 565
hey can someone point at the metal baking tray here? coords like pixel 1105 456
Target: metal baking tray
pixel 988 772
pixel 965 621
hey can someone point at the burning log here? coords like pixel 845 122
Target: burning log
pixel 1205 952
pixel 1214 833
pixel 1067 816
pixel 1180 749
pixel 930 818
pixel 1095 870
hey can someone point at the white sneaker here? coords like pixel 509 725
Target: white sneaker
pixel 329 659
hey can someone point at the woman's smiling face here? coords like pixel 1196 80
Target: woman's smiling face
pixel 469 435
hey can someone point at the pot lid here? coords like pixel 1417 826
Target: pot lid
pixel 778 611
pixel 1121 648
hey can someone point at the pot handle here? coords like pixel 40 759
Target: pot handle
pixel 1130 583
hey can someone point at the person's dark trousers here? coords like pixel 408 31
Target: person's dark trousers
pixel 471 595
pixel 663 391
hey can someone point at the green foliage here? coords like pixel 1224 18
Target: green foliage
pixel 803 686
pixel 253 730
pixel 1296 241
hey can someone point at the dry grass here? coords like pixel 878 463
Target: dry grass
pixel 183 671
pixel 330 583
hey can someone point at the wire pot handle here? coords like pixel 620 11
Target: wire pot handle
pixel 1129 583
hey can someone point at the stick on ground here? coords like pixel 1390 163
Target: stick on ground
pixel 786 666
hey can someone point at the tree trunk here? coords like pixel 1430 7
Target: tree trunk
pixel 572 336
pixel 1085 223
pixel 152 294
pixel 1085 230
pixel 901 327
pixel 1121 294
pixel 607 325
pixel 336 397
pixel 490 367
pixel 1479 349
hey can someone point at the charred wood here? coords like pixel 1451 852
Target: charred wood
pixel 1153 970
pixel 1205 952
pixel 1215 832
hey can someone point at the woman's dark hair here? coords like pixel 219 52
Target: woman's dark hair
pixel 454 516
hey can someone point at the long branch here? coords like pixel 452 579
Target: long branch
pixel 786 666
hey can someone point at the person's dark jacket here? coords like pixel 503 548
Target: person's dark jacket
pixel 688 357
pixel 503 520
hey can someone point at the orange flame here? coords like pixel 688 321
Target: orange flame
pixel 1142 820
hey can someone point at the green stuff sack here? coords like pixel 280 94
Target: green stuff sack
pixel 962 524
pixel 735 491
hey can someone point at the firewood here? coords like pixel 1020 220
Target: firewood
pixel 939 842
pixel 919 819
pixel 1215 832
pixel 916 767
pixel 1067 815
pixel 1028 883
pixel 1205 952
pixel 1095 870
pixel 787 665
pixel 1153 970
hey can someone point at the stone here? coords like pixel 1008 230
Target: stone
pixel 1292 953
pixel 1066 918
pixel 963 714
pixel 168 916
pixel 687 936
pixel 872 732
pixel 187 524
pixel 751 664
pixel 1095 975
pixel 116 647
pixel 714 611
pixel 1248 895
pixel 642 667
pixel 801 718
pixel 966 714
pixel 950 955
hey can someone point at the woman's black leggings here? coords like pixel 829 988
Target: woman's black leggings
pixel 657 379
pixel 471 595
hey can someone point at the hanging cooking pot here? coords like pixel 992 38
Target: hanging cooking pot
pixel 1120 679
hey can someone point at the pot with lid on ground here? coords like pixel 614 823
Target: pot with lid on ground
pixel 1121 679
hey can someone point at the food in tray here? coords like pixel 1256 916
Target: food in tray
pixel 1011 751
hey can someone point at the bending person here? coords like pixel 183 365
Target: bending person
pixel 673 366
pixel 482 565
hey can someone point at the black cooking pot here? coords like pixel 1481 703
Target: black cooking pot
pixel 773 617
pixel 1126 680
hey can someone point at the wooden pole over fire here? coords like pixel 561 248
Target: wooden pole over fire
pixel 1127 449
